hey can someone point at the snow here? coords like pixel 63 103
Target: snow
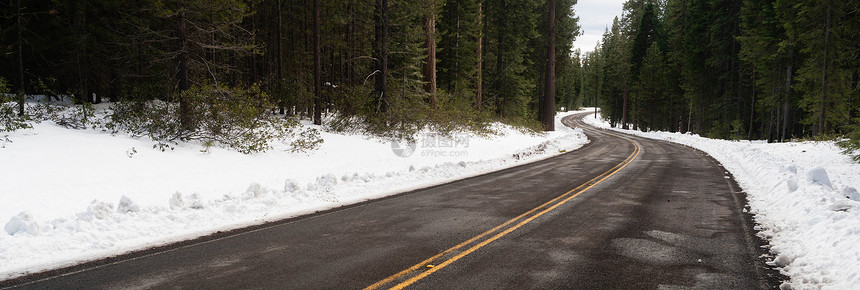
pixel 69 196
pixel 819 176
pixel 805 202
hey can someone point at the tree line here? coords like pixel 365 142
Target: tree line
pixel 752 69
pixel 382 63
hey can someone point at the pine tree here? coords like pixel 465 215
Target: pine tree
pixel 511 27
pixel 549 91
pixel 317 66
pixel 460 32
pixel 616 60
pixel 824 31
pixel 570 81
pixel 381 55
pixel 651 86
pixel 430 16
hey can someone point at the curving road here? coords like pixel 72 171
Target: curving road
pixel 620 212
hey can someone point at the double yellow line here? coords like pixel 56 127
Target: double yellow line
pixel 412 274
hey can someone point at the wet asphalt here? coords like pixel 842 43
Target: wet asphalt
pixel 671 218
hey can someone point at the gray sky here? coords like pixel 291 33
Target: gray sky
pixel 594 17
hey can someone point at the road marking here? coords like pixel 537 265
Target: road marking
pixel 409 276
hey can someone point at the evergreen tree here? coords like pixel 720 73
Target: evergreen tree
pixel 570 78
pixel 826 77
pixel 615 60
pixel 651 87
pixel 511 26
pixel 460 32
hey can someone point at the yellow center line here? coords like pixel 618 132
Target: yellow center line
pixel 547 207
pixel 499 235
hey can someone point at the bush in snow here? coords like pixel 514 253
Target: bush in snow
pixel 306 140
pixel 408 114
pixel 152 119
pixel 851 146
pixel 235 117
pixel 63 113
pixel 9 119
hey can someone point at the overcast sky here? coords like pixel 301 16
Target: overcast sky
pixel 594 17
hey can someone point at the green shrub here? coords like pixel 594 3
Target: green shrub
pixel 156 119
pixel 306 140
pixel 9 118
pixel 851 145
pixel 408 114
pixel 77 117
pixel 233 117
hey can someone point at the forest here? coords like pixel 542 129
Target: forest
pixel 755 69
pixel 773 70
pixel 381 66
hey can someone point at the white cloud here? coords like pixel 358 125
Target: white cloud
pixel 594 17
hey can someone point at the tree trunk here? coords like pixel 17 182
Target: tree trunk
pixel 21 89
pixel 689 117
pixel 81 51
pixel 317 66
pixel 479 78
pixel 788 76
pixel 279 56
pixel 752 104
pixel 624 110
pixel 430 63
pixel 596 81
pixel 382 54
pixel 823 99
pixel 254 78
pixel 549 91
pixel 500 48
pixel 184 109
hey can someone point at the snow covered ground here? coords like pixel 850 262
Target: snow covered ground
pixel 68 196
pixel 805 200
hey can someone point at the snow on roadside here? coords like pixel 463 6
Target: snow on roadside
pixel 74 195
pixel 805 199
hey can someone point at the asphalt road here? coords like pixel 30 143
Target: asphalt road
pixel 622 212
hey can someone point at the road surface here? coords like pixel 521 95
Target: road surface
pixel 621 212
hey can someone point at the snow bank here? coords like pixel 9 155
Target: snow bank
pixel 804 198
pixel 75 195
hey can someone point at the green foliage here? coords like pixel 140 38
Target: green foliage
pixel 828 74
pixel 77 117
pixel 768 69
pixel 306 140
pixel 591 78
pixel 718 130
pixel 9 119
pixel 851 145
pixel 137 54
pixel 459 29
pixel 614 69
pixel 234 117
pixel 569 82
pixel 737 129
pixel 154 119
pixel 510 73
pixel 455 114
